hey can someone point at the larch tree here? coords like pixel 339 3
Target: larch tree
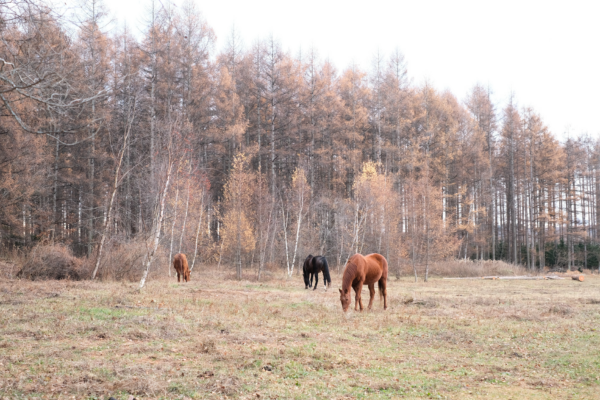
pixel 238 233
pixel 507 188
pixel 483 111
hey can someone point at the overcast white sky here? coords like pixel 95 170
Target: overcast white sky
pixel 546 52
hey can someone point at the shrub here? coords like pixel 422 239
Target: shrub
pixel 51 262
pixel 124 261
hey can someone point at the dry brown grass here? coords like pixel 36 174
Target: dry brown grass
pixel 466 268
pixel 216 338
pixel 8 269
pixel 11 262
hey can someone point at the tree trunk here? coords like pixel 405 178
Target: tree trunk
pixel 187 203
pixel 174 220
pixel 298 225
pixel 198 229
pixel 156 239
pixel 112 199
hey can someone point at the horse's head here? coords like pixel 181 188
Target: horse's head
pixel 345 299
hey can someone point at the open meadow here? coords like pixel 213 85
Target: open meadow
pixel 220 338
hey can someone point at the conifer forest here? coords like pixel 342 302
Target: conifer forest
pixel 246 155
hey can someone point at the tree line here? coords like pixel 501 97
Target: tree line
pixel 252 156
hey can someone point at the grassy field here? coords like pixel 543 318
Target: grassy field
pixel 446 339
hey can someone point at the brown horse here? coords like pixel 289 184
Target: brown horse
pixel 181 266
pixel 364 270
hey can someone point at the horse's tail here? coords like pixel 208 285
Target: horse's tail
pixel 381 289
pixel 382 283
pixel 326 276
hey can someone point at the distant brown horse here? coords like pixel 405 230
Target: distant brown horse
pixel 364 270
pixel 181 266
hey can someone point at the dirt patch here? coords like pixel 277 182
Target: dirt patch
pixel 208 347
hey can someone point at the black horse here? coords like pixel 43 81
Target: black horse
pixel 312 266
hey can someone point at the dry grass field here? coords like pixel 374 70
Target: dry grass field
pixel 219 338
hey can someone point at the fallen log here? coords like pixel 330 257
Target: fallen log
pixel 579 278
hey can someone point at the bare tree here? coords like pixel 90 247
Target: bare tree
pixel 169 162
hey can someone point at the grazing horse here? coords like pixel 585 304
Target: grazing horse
pixel 312 266
pixel 181 266
pixel 364 270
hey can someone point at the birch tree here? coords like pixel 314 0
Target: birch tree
pixel 168 164
pixel 116 183
pixel 298 205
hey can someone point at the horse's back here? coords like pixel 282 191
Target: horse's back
pixel 319 263
pixel 180 262
pixel 181 266
pixel 380 260
pixel 376 266
pixel 177 259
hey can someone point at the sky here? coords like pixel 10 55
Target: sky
pixel 546 53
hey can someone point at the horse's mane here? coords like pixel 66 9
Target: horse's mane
pixel 349 274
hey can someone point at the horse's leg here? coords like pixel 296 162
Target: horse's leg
pixel 383 286
pixel 177 276
pixel 311 279
pixel 316 280
pixel 372 293
pixel 358 302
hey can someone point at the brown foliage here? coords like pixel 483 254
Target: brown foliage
pixel 52 262
pixel 440 179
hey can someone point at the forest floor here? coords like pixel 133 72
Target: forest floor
pixel 217 338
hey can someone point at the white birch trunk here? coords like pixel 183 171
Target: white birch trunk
pixel 187 203
pixel 287 256
pixel 291 271
pixel 156 238
pixel 198 230
pixel 112 198
pixel 173 226
pixel 265 242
